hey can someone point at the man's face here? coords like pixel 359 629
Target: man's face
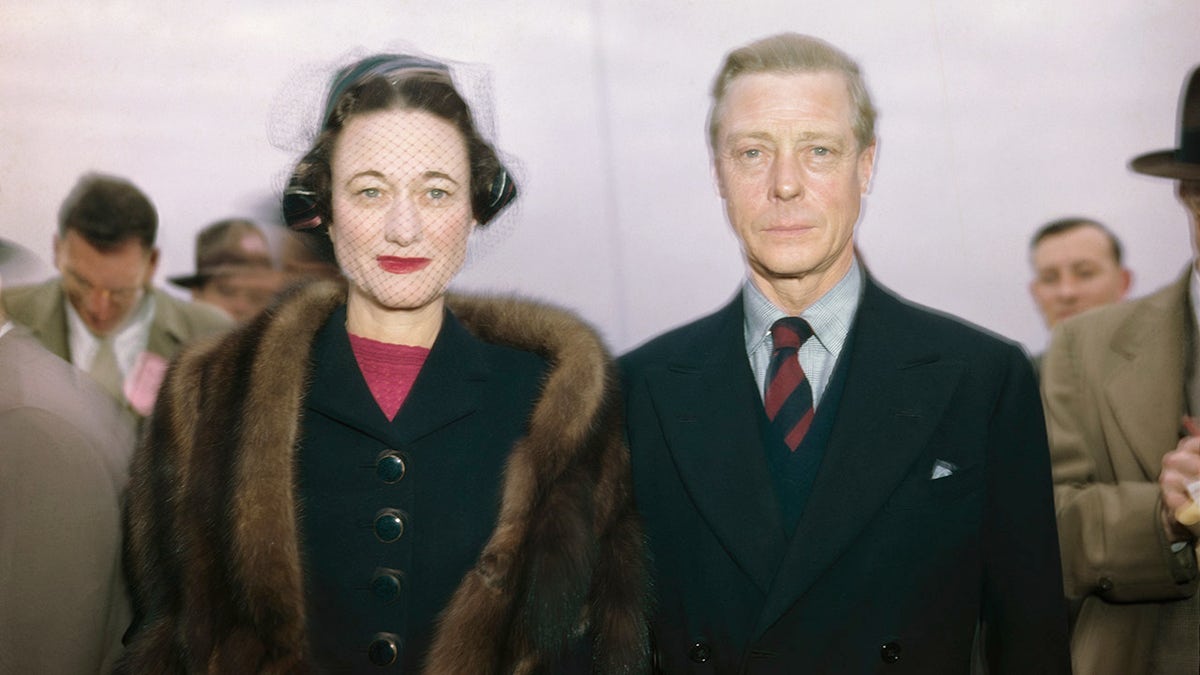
pixel 103 286
pixel 1076 270
pixel 1189 195
pixel 791 173
pixel 242 294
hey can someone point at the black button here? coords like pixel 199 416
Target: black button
pixel 700 652
pixel 390 467
pixel 890 652
pixel 384 649
pixel 1105 585
pixel 387 584
pixel 389 525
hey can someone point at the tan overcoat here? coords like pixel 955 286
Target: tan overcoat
pixel 1113 383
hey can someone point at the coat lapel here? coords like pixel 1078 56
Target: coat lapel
pixel 447 388
pixel 48 320
pixel 895 394
pixel 1152 346
pixel 167 329
pixel 449 385
pixel 709 413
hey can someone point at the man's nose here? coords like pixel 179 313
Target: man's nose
pixel 100 302
pixel 787 177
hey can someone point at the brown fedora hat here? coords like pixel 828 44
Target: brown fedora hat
pixel 1182 162
pixel 232 246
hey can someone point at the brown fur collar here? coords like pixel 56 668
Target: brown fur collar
pixel 228 595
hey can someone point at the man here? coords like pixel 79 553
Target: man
pixel 234 272
pixel 64 449
pixel 1076 266
pixel 913 507
pixel 101 313
pixel 1117 383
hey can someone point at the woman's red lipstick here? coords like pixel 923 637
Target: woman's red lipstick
pixel 395 265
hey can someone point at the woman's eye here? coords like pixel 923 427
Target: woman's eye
pixel 438 193
pixel 370 193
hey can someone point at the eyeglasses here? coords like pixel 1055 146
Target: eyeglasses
pixel 76 285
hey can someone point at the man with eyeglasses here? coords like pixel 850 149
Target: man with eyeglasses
pixel 102 314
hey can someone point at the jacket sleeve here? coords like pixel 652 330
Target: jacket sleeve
pixel 1110 533
pixel 1024 617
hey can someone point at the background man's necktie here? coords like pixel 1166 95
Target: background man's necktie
pixel 788 397
pixel 106 371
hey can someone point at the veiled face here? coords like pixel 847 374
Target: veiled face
pixel 401 206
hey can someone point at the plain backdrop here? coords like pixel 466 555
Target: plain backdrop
pixel 995 116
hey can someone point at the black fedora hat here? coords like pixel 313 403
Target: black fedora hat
pixel 1184 161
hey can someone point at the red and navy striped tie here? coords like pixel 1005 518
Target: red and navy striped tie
pixel 788 398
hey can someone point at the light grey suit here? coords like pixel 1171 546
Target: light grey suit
pixel 64 449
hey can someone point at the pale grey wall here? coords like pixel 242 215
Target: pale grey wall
pixel 996 116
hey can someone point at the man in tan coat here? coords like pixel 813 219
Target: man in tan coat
pixel 64 450
pixel 1117 383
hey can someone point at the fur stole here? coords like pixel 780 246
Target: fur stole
pixel 212 550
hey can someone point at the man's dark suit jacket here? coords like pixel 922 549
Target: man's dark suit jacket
pixel 889 570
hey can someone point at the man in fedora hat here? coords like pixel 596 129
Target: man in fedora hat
pixel 234 271
pixel 1117 385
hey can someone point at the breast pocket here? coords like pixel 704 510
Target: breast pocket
pixel 921 491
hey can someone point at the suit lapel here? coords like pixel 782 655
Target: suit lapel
pixel 1151 346
pixel 709 414
pixel 895 394
pixel 166 329
pixel 49 320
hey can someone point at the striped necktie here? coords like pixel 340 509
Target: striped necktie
pixel 788 397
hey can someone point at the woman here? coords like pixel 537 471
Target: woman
pixel 371 475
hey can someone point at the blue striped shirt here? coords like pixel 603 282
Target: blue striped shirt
pixel 830 318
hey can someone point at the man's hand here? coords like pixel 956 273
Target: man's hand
pixel 1181 466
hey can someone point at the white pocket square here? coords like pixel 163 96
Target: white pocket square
pixel 942 468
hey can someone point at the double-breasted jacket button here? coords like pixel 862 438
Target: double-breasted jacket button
pixel 387 584
pixel 1104 585
pixel 388 525
pixel 390 466
pixel 700 652
pixel 889 652
pixel 384 649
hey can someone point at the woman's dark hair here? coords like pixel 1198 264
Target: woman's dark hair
pixel 368 86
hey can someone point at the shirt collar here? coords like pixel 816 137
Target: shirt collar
pixel 830 316
pixel 131 336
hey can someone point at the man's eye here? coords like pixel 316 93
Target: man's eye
pixel 752 153
pixel 820 151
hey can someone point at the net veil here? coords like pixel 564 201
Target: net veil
pixel 395 161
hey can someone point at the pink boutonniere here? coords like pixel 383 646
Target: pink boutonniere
pixel 141 387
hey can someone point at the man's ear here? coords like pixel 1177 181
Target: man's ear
pixel 866 166
pixel 716 176
pixel 152 266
